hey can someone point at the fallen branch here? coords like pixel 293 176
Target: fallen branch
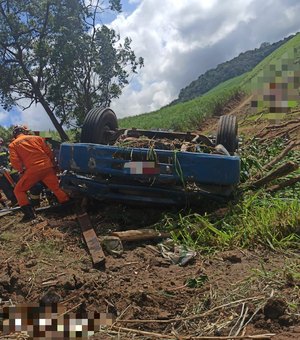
pixel 283 125
pixel 138 235
pixel 281 133
pixel 192 317
pixel 190 337
pixel 282 171
pixel 288 183
pixel 50 283
pixel 289 147
pixel 137 331
pixel 260 116
pixel 260 134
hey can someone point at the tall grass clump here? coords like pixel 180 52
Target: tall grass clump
pixel 258 220
pixel 261 219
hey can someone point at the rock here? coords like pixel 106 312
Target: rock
pixel 159 262
pixel 275 308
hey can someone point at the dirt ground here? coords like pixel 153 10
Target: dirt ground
pixel 50 263
pixel 238 292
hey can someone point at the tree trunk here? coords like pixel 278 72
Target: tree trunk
pixel 41 99
pixel 64 137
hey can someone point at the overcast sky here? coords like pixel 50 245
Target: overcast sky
pixel 181 39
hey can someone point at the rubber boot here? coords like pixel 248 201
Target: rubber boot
pixel 29 213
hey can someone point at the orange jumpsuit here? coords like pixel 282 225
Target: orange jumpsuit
pixel 31 156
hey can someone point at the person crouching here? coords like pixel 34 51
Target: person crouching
pixel 34 160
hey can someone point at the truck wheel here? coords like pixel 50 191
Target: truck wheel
pixel 96 125
pixel 227 133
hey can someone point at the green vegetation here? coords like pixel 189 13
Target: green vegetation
pixel 188 115
pixel 245 62
pixel 6 134
pixel 273 58
pixel 258 219
pixel 54 53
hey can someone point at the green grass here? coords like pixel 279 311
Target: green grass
pixel 45 248
pixel 258 220
pixel 8 236
pixel 254 218
pixel 189 115
pixel 273 58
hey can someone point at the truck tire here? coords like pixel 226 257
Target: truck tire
pixel 97 122
pixel 227 133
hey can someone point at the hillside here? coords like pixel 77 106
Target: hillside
pixel 190 114
pixel 243 63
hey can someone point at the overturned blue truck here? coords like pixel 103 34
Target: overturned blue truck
pixel 104 166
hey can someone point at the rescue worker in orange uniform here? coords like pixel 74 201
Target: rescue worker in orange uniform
pixel 33 158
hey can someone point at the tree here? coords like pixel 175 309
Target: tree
pixel 54 53
pixel 5 134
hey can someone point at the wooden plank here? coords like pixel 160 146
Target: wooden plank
pixel 91 239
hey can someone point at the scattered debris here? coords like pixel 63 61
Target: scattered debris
pixel 198 144
pixel 113 245
pixel 177 254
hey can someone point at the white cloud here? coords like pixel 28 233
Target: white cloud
pixel 180 40
pixel 35 118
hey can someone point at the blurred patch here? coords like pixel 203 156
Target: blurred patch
pixel 276 88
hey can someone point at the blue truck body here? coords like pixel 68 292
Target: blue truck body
pixel 138 175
